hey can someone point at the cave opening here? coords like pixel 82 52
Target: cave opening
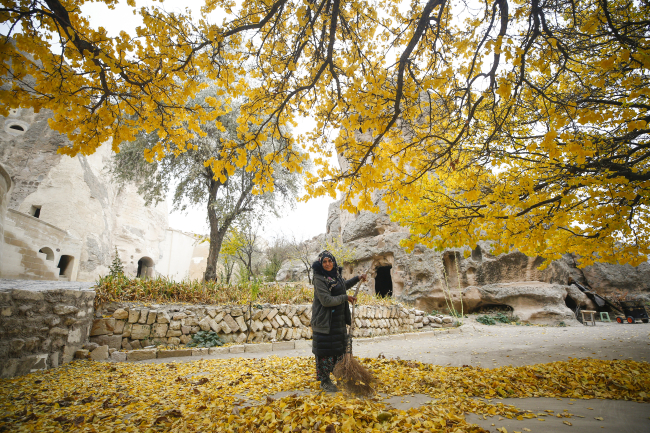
pixel 384 282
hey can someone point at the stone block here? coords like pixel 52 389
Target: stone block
pixel 258 348
pixel 118 356
pixel 141 355
pixel 81 354
pixel 102 327
pixel 144 315
pixel 27 295
pixel 175 325
pixel 121 314
pixel 162 317
pixel 272 313
pixel 134 316
pixel 174 353
pixel 219 317
pixel 185 339
pixel 237 349
pixel 62 310
pixel 119 326
pixel 174 341
pixel 185 330
pixel 99 354
pixel 58 331
pixel 296 321
pixel 112 341
pixel 216 327
pixel 284 345
pixel 302 344
pixel 211 312
pixel 140 332
pixel 179 316
pixel 136 345
pixel 151 318
pixel 219 350
pixel 204 323
pixel 201 351
pixel 237 311
pixel 174 333
pixel 225 328
pixel 190 321
pixel 232 324
pixel 6 312
pixel 126 332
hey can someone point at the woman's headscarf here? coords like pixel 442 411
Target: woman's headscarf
pixel 317 266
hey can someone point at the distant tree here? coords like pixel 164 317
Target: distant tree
pixel 228 194
pixel 228 255
pixel 276 253
pixel 249 250
pixel 303 252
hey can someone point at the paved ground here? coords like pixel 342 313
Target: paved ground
pixel 493 346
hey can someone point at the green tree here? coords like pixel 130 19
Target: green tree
pixel 227 195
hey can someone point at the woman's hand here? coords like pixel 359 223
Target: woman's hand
pixel 363 277
pixel 352 299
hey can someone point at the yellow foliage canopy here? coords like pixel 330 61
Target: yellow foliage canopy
pixel 516 122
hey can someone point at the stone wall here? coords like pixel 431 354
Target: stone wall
pixel 5 191
pixel 33 250
pixel 42 324
pixel 129 326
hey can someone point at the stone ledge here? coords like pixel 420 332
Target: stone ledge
pixel 257 348
pixel 284 345
pixel 139 355
pixel 174 353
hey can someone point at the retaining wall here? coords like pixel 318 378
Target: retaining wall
pixel 128 327
pixel 42 324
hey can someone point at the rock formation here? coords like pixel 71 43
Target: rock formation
pixel 66 217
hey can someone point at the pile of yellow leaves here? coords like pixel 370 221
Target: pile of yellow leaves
pixel 230 395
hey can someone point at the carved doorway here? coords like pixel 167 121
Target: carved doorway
pixel 384 282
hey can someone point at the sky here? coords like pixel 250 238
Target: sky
pixel 304 222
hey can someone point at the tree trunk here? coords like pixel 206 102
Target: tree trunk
pixel 216 234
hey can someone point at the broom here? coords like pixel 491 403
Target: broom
pixel 355 378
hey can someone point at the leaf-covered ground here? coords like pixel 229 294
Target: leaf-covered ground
pixel 230 395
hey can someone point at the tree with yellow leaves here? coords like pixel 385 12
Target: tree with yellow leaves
pixel 520 122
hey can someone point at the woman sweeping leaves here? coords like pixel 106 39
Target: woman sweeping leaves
pixel 330 313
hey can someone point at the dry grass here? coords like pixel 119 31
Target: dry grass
pixel 164 291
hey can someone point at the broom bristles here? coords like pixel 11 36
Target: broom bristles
pixel 355 377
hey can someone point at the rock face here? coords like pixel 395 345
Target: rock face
pixel 78 215
pixel 532 301
pixel 424 275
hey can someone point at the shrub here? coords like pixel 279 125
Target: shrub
pixel 205 339
pixel 486 320
pixel 161 290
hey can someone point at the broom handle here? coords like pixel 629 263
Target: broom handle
pixel 356 292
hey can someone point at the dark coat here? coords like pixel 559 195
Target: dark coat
pixel 330 314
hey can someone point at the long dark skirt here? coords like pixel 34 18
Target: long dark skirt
pixel 325 366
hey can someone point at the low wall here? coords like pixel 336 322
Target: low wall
pixel 42 324
pixel 129 326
